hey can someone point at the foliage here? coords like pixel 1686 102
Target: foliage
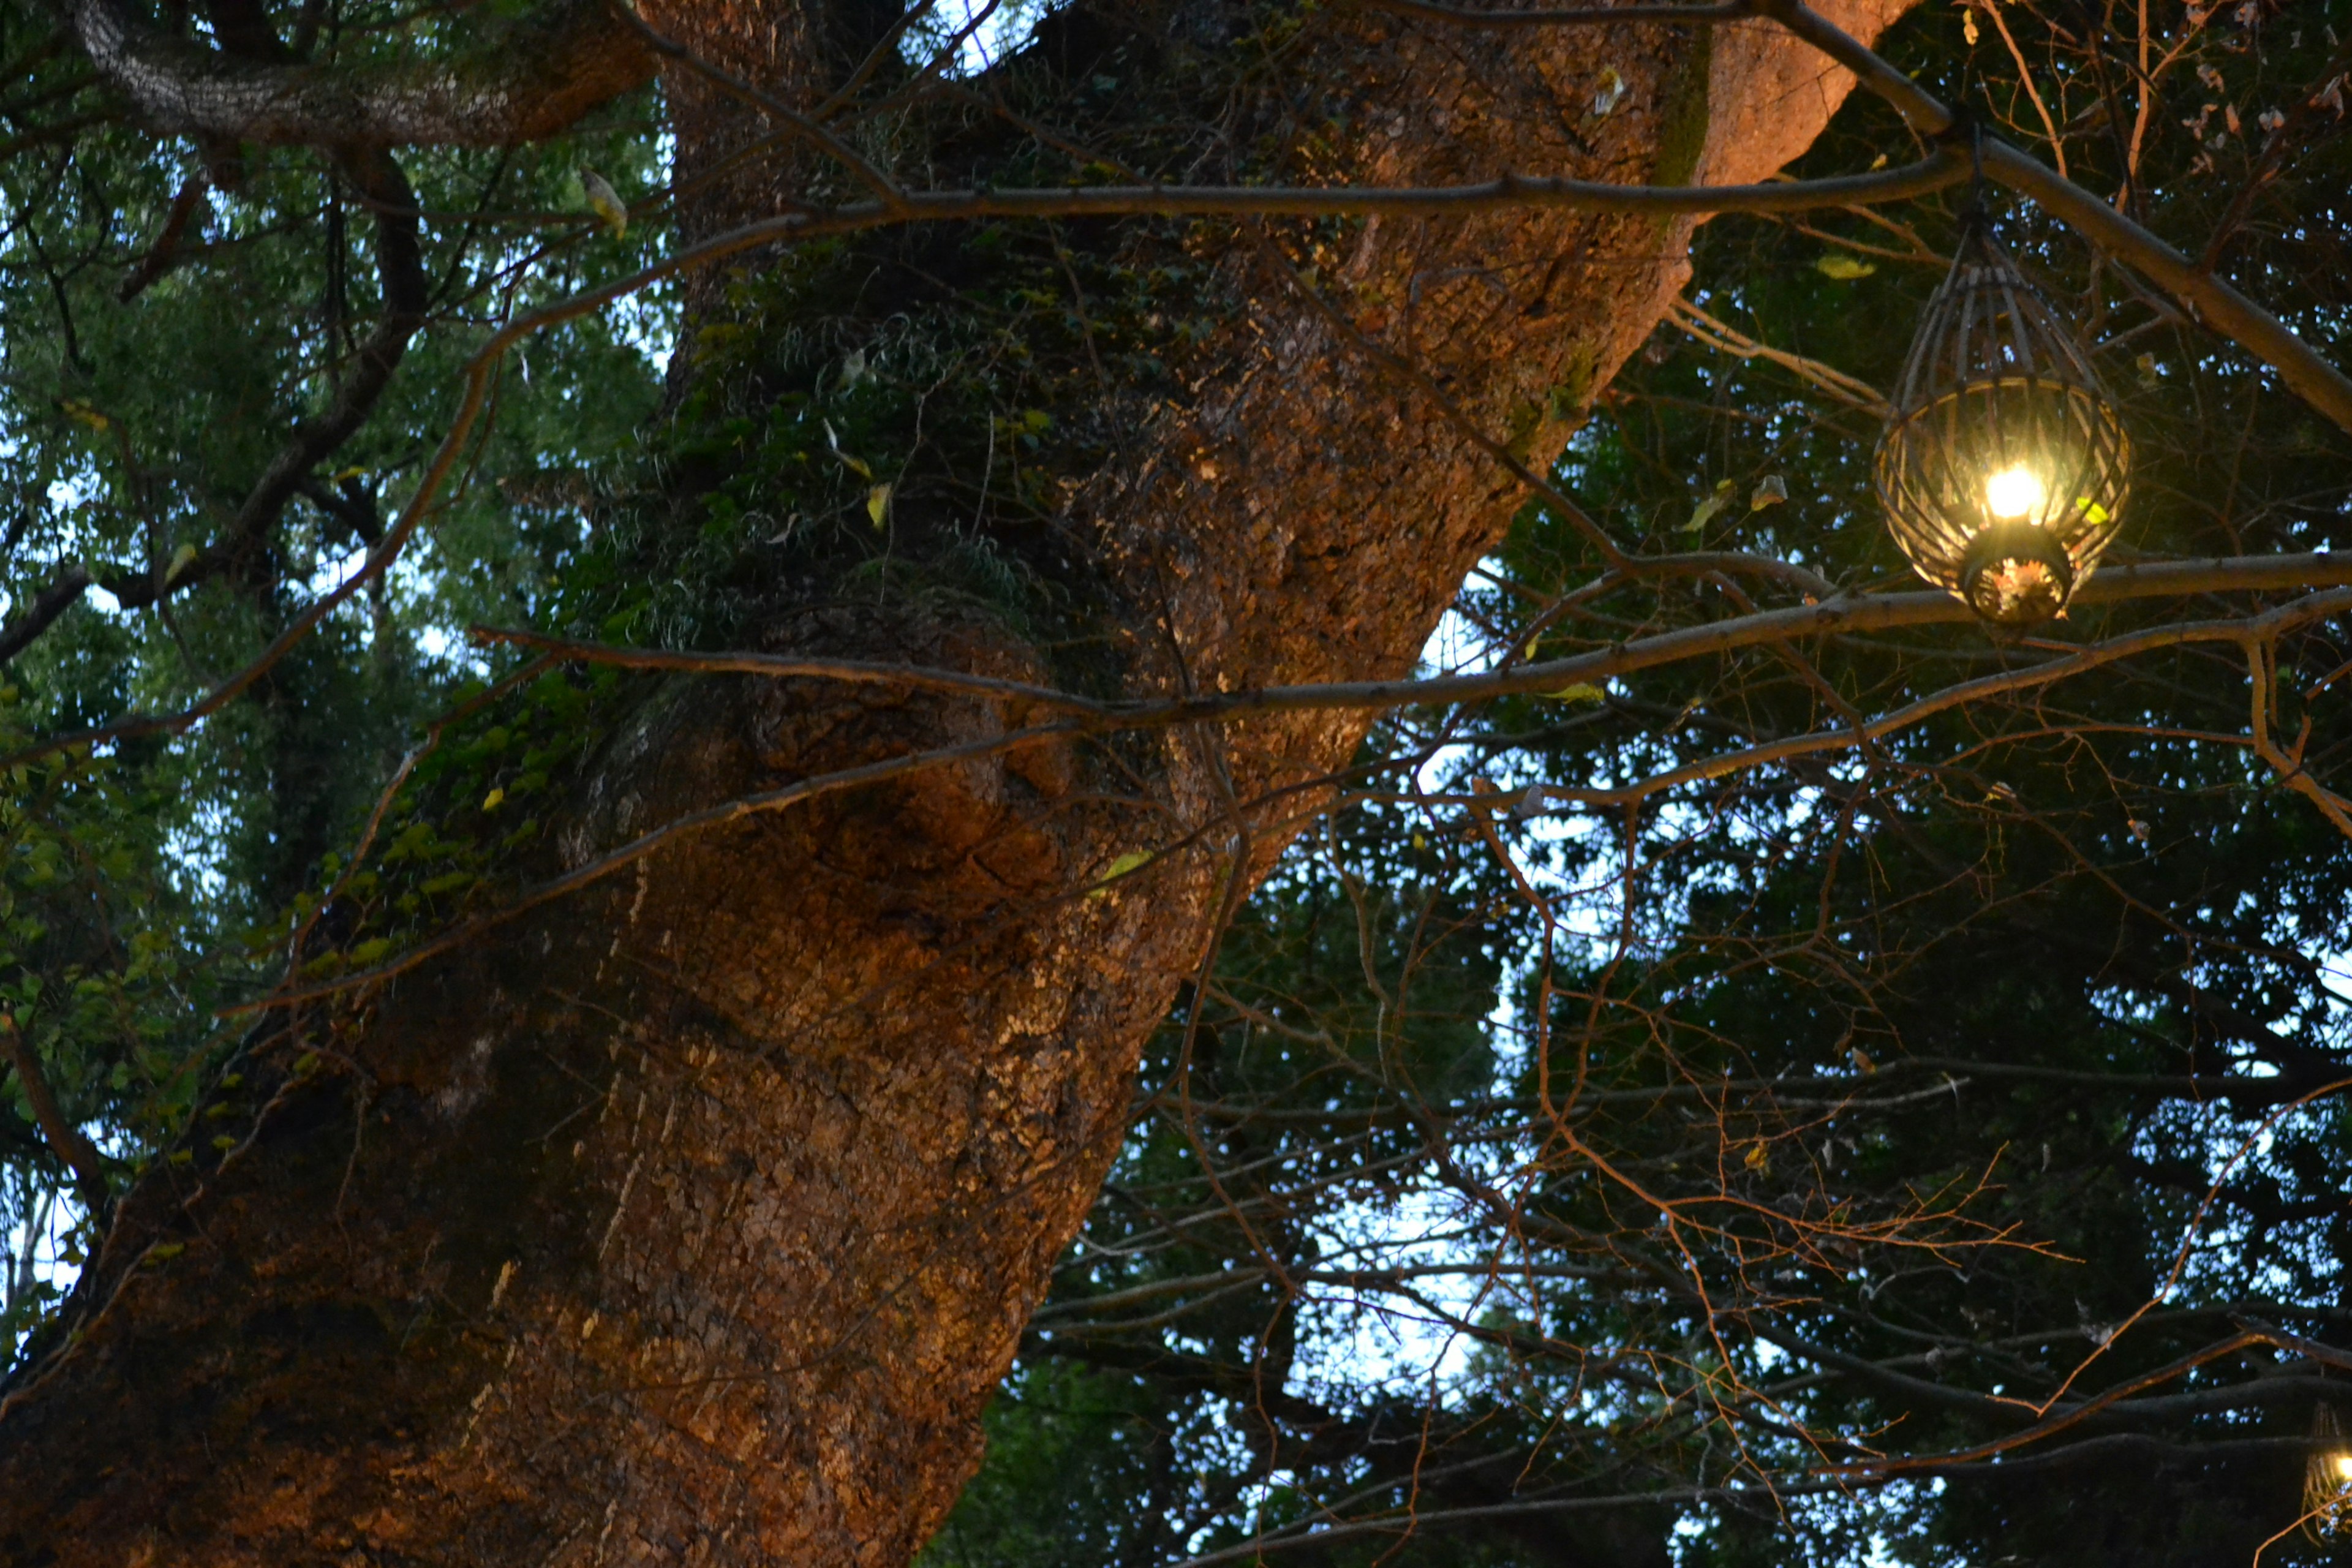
pixel 170 321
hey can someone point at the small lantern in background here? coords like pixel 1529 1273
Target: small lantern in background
pixel 2327 1478
pixel 2003 465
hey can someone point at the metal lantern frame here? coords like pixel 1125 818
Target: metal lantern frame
pixel 2326 1481
pixel 1995 384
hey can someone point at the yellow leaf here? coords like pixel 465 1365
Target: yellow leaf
pixel 877 504
pixel 490 801
pixel 182 559
pixel 833 444
pixel 84 413
pixel 1610 93
pixel 606 203
pixel 1845 269
pixel 1757 1159
pixel 1582 691
pixel 1701 514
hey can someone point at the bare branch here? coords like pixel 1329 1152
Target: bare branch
pixel 1932 173
pixel 1581 16
pixel 1847 613
pixel 1724 338
pixel 2316 606
pixel 781 666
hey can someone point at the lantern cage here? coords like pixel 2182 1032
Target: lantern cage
pixel 2327 1478
pixel 2003 465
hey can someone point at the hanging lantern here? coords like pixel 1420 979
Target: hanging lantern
pixel 2003 465
pixel 2327 1478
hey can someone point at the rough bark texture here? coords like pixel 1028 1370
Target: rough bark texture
pixel 695 1220
pixel 531 81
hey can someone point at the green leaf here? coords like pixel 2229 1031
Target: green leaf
pixel 1125 866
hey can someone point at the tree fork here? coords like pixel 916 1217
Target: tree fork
pixel 696 1219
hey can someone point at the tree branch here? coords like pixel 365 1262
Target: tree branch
pixel 1581 16
pixel 65 1140
pixel 1844 614
pixel 1934 172
pixel 42 613
pixel 531 82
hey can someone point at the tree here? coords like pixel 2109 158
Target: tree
pixel 652 1137
pixel 1361 1291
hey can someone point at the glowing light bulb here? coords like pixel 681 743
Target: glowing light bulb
pixel 2344 1466
pixel 2013 492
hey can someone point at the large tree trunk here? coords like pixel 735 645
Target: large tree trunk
pixel 695 1219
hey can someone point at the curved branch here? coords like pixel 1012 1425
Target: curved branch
pixel 42 613
pixel 1852 612
pixel 65 1140
pixel 400 265
pixel 531 82
pixel 2315 607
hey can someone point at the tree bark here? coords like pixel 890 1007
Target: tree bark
pixel 535 78
pixel 695 1219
